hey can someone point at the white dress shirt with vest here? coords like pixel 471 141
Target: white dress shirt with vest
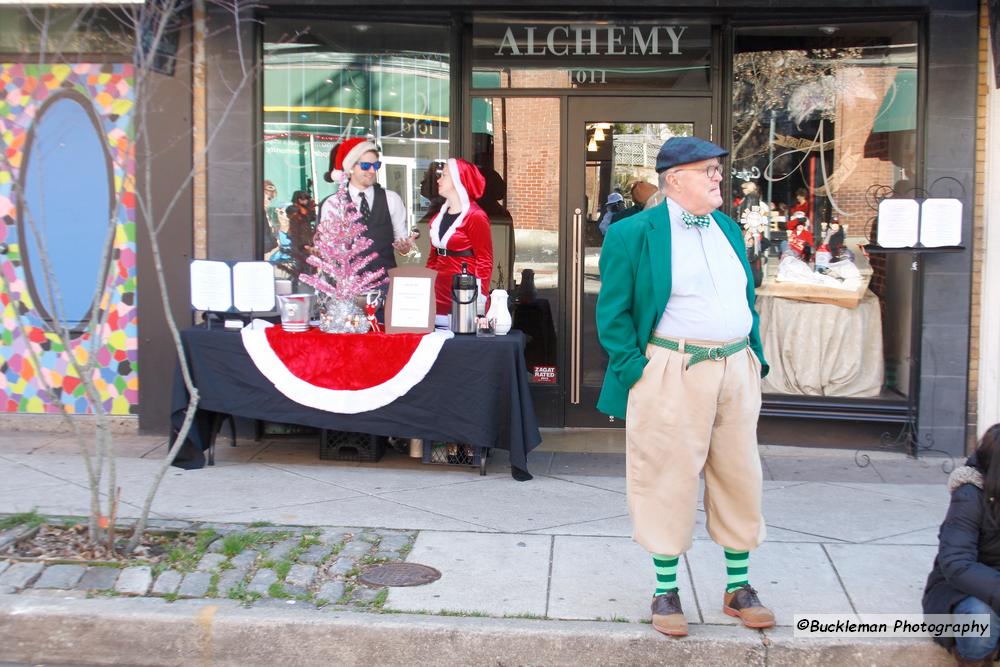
pixel 397 211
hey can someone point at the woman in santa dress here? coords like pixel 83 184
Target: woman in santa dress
pixel 460 233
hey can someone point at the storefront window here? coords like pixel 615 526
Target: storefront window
pixel 516 144
pixel 324 80
pixel 590 53
pixel 823 117
pixel 64 30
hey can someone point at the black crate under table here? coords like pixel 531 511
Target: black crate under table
pixel 349 446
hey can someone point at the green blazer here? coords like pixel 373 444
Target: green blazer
pixel 635 286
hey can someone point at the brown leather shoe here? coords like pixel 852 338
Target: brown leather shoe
pixel 668 617
pixel 744 604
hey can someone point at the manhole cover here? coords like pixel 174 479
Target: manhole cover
pixel 400 574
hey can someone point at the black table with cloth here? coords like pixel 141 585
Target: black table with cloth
pixel 475 393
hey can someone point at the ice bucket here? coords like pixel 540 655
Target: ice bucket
pixel 295 309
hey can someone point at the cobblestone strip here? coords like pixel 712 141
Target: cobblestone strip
pixel 98 579
pixel 167 583
pixel 319 567
pixel 262 581
pixel 61 576
pixel 195 585
pixel 20 575
pixel 134 580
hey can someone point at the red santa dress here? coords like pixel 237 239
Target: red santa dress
pixel 468 237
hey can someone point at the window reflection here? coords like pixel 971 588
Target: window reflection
pixel 821 114
pixel 326 80
pixel 516 143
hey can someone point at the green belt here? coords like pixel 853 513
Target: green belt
pixel 700 353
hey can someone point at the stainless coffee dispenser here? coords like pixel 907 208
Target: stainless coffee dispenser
pixel 464 291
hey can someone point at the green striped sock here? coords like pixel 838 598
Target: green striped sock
pixel 737 569
pixel 666 573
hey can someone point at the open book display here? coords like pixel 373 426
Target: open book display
pixel 232 287
pixel 906 223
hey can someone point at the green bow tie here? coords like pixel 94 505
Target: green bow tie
pixel 695 220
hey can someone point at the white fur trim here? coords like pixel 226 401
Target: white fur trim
pixel 355 154
pixel 964 475
pixel 437 240
pixel 343 401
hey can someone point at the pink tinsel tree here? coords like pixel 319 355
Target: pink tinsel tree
pixel 340 255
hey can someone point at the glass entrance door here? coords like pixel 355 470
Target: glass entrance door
pixel 611 154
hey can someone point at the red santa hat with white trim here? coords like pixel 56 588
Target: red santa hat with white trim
pixel 468 180
pixel 470 184
pixel 345 155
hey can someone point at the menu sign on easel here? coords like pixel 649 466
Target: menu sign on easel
pixel 940 222
pixel 243 287
pixel 933 223
pixel 898 222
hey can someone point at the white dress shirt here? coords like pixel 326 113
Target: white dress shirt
pixel 708 299
pixel 397 211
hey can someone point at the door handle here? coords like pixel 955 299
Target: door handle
pixel 576 306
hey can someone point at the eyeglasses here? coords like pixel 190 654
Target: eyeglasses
pixel 365 166
pixel 711 171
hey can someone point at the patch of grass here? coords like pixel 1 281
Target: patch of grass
pixel 213 586
pixel 477 614
pixel 31 518
pixel 372 560
pixel 235 543
pixel 308 540
pixel 170 597
pixel 405 550
pixel 259 524
pixel 276 590
pixel 345 597
pixel 533 617
pixel 203 538
pixel 240 592
pixel 184 556
pixel 380 598
pixel 282 568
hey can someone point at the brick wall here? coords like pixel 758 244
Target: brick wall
pixel 978 229
pixel 532 150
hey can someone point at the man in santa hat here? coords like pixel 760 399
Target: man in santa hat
pixel 382 211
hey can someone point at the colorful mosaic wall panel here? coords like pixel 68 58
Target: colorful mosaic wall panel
pixel 31 356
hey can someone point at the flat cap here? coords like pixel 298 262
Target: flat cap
pixel 684 150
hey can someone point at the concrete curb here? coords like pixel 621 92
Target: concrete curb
pixel 146 631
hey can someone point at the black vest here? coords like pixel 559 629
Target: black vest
pixel 381 234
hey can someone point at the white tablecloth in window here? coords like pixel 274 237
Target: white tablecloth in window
pixel 816 349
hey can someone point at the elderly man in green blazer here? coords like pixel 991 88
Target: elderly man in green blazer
pixel 676 316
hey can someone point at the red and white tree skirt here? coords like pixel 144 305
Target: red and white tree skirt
pixel 345 373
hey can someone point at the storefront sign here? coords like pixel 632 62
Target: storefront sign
pixel 591 40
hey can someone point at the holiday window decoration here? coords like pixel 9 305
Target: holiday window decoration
pixel 340 256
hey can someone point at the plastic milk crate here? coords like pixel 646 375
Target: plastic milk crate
pixel 348 446
pixel 452 453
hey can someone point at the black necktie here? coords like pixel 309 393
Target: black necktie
pixel 364 209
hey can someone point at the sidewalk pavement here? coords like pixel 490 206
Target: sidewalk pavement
pixel 537 572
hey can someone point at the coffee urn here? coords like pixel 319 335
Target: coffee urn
pixel 464 291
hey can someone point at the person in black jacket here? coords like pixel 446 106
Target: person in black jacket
pixel 965 578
